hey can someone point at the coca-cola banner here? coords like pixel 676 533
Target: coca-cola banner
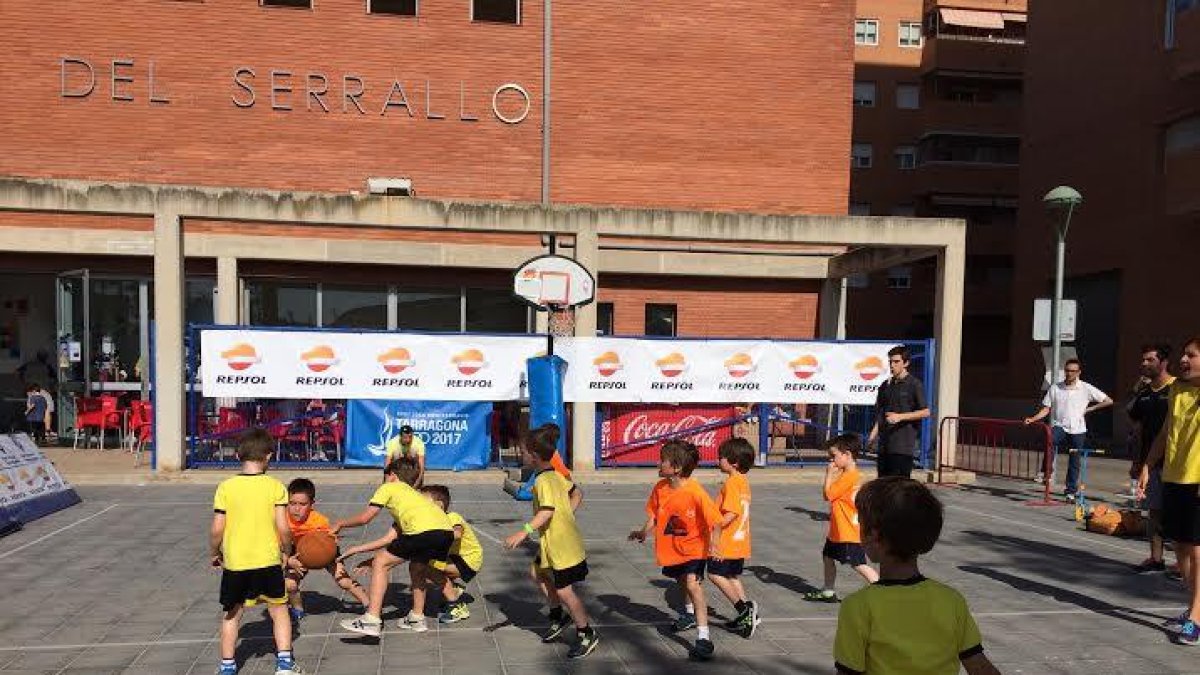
pixel 733 371
pixel 628 431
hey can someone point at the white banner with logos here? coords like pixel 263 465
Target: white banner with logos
pixel 316 364
pixel 614 370
pixel 25 473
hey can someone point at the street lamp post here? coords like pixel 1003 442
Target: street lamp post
pixel 1062 199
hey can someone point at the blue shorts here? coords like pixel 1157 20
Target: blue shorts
pixel 681 570
pixel 728 568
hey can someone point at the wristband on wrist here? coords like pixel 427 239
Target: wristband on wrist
pixel 528 529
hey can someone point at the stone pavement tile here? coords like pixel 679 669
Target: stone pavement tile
pixel 77 634
pixel 25 671
pixel 39 660
pixel 476 670
pixel 467 648
pixel 106 657
pixel 350 665
pixel 790 663
pixel 428 656
pixel 161 669
pixel 155 655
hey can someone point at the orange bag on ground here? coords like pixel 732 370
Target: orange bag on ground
pixel 1104 520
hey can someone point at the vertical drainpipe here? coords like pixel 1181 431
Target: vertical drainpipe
pixel 546 103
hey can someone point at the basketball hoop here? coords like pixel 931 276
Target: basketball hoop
pixel 556 285
pixel 560 321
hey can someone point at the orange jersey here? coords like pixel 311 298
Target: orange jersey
pixel 843 515
pixel 683 521
pixel 559 466
pixel 315 521
pixel 735 498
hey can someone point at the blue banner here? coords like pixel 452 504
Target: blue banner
pixel 457 434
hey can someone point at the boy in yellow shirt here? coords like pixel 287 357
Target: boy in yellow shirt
pixel 248 540
pixel 465 561
pixel 561 561
pixel 424 534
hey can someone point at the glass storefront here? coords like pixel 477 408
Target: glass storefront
pixel 432 310
pixel 281 303
pixel 492 310
pixel 353 307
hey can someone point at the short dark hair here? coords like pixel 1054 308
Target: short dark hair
pixel 902 513
pixel 406 429
pixel 681 454
pixel 738 452
pixel 543 441
pixel 1074 361
pixel 405 468
pixel 1162 351
pixel 256 445
pixel 303 486
pixel 438 493
pixel 32 387
pixel 902 351
pixel 851 443
pixel 1193 342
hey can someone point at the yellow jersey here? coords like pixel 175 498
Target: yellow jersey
pixel 249 502
pixel 394 449
pixel 913 626
pixel 1182 460
pixel 467 547
pixel 561 545
pixel 413 512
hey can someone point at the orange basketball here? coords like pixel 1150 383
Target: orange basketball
pixel 316 550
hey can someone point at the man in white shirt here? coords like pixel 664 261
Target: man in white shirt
pixel 1068 403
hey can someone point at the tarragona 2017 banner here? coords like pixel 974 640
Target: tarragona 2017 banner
pixel 316 364
pixel 747 371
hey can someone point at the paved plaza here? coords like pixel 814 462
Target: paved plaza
pixel 120 584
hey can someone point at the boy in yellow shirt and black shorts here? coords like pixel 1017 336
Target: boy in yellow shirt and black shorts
pixel 424 535
pixel 465 561
pixel 248 540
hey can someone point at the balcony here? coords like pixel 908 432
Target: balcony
pixel 1185 56
pixel 971 118
pixel 987 57
pixel 1181 176
pixel 967 179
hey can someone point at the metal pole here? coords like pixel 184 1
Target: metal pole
pixel 546 33
pixel 553 245
pixel 1060 254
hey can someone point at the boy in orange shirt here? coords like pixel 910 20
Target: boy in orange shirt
pixel 736 457
pixel 844 543
pixel 302 520
pixel 686 526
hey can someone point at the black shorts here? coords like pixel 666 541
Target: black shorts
pixel 1181 512
pixel 677 572
pixel 465 571
pixel 847 553
pixel 423 547
pixel 564 577
pixel 728 568
pixel 247 587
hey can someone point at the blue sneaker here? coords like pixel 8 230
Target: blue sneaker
pixel 227 669
pixel 296 614
pixel 1189 634
pixel 684 622
pixel 1176 622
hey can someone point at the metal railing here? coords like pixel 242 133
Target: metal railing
pixel 996 447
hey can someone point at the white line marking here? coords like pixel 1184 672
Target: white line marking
pixel 472 629
pixel 1090 540
pixel 64 528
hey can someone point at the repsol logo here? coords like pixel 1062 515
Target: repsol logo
pixel 241 379
pixel 803 386
pixel 606 385
pixel 862 388
pixel 319 381
pixel 668 386
pixel 469 384
pixel 738 386
pixel 396 382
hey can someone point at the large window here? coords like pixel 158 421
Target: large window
pixel 910 34
pixel 495 310
pixel 864 94
pixel 866 32
pixel 282 303
pixel 605 319
pixel 661 320
pixel 198 299
pixel 496 11
pixel 433 310
pixel 353 307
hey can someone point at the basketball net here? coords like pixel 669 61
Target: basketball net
pixel 560 321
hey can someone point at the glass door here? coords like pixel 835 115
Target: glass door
pixel 73 318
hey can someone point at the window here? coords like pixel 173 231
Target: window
pixel 433 310
pixel 660 320
pixel 1175 7
pixel 199 295
pixel 604 319
pixel 910 34
pixel 908 96
pixel 861 155
pixel 905 210
pixel 495 310
pixel 1182 135
pixel 858 280
pixel 396 7
pixel 353 307
pixel 496 11
pixel 864 94
pixel 866 32
pixel 899 277
pixel 274 303
pixel 302 4
pixel 906 157
pixel 860 208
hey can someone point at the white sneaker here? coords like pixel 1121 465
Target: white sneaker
pixel 412 623
pixel 362 626
pixel 294 670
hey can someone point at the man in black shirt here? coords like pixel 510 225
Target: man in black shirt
pixel 899 408
pixel 1148 411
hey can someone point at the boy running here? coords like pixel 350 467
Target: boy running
pixel 248 538
pixel 465 561
pixel 424 534
pixel 686 526
pixel 561 561
pixel 844 543
pixel 736 457
pixel 303 519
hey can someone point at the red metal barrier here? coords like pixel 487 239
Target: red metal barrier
pixel 997 447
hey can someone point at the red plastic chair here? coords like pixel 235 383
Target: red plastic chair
pixel 230 423
pixel 95 413
pixel 331 435
pixel 141 428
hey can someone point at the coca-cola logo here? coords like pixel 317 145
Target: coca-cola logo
pixel 642 427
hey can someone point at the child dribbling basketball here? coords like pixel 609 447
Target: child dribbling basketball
pixel 844 542
pixel 303 519
pixel 248 540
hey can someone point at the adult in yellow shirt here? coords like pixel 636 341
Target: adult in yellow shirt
pixel 407 444
pixel 1178 444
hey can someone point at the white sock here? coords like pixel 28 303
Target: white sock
pixel 413 616
pixel 702 633
pixel 371 618
pixel 689 608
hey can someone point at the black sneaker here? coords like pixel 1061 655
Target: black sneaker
pixel 751 622
pixel 586 645
pixel 557 626
pixel 702 650
pixel 1150 565
pixel 684 622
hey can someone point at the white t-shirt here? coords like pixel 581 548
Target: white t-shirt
pixel 1068 404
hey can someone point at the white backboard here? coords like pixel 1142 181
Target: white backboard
pixel 1042 309
pixel 553 280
